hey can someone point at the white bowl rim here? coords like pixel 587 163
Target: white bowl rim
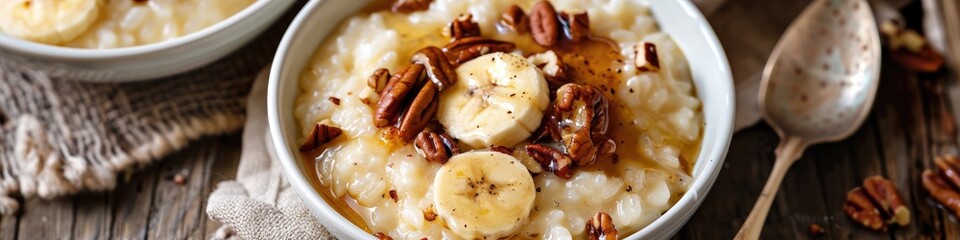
pixel 677 214
pixel 35 49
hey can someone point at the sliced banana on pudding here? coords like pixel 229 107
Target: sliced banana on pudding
pixel 483 194
pixel 499 99
pixel 48 21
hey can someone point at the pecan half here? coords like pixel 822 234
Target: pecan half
pixel 378 80
pixel 462 27
pixel 436 147
pixel 576 26
pixel 552 160
pixel 438 67
pixel 466 49
pixel 407 6
pixel 395 93
pixel 515 20
pixel 600 227
pixel 859 208
pixel 420 112
pixel 943 184
pixel 876 204
pixel 925 61
pixel 382 236
pixel 544 24
pixel 646 58
pixel 941 191
pixel 552 67
pixel 321 134
pixel 884 193
pixel 581 117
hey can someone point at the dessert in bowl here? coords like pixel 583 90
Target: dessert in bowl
pixel 498 119
pixel 128 40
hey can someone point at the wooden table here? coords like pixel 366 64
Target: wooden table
pixel 906 129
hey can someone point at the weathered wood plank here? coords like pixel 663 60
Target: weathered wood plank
pixel 133 202
pixel 177 211
pixel 46 219
pixel 223 168
pixel 8 226
pixel 800 201
pixel 94 214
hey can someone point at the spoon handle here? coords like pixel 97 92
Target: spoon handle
pixel 789 150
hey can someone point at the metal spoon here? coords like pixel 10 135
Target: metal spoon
pixel 817 86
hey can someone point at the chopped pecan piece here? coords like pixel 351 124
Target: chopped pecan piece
pixel 407 6
pixel 395 93
pixel 815 230
pixel 552 66
pixel 552 160
pixel 429 215
pixel 438 67
pixel 646 58
pixel 382 236
pixel 876 204
pixel 515 20
pixel 581 117
pixel 576 26
pixel 466 49
pixel 544 24
pixel 436 147
pixel 378 80
pixel 885 194
pixel 334 100
pixel 943 184
pixel 600 227
pixel 321 134
pixel 533 166
pixel 420 112
pixel 393 195
pixel 859 208
pixel 462 27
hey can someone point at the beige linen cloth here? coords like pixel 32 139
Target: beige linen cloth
pixel 261 205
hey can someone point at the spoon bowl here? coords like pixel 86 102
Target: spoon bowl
pixel 821 79
pixel 818 86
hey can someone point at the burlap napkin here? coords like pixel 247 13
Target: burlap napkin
pixel 261 205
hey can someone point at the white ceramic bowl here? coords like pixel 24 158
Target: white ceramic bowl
pixel 147 61
pixel 679 18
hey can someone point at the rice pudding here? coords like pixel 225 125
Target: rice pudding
pixel 100 24
pixel 500 119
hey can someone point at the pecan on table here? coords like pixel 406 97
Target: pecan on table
pixel 379 79
pixel 515 20
pixel 439 69
pixel 552 160
pixel 436 147
pixel 321 134
pixel 859 208
pixel 645 57
pixel 600 227
pixel 876 204
pixel 462 27
pixel 552 67
pixel 943 184
pixel 395 93
pixel 408 6
pixel 544 24
pixel 466 49
pixel 581 117
pixel 576 26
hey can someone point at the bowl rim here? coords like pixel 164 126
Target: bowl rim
pixel 41 50
pixel 666 225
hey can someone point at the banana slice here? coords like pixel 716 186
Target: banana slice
pixel 48 21
pixel 483 194
pixel 499 99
